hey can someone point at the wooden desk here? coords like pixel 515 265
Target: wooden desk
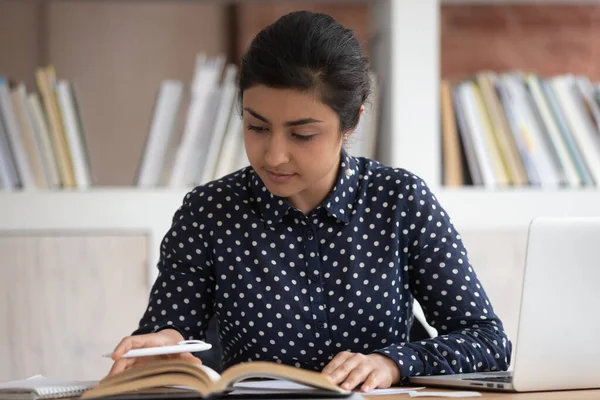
pixel 568 395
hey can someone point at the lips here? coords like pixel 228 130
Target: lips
pixel 278 177
pixel 276 173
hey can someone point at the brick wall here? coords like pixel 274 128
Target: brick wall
pixel 549 39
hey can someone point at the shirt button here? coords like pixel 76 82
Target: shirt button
pixel 321 325
pixel 315 278
pixel 310 236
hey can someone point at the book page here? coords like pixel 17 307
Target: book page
pixel 266 386
pixel 269 385
pixel 211 373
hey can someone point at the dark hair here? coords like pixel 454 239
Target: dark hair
pixel 310 52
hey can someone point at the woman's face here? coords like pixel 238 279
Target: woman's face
pixel 293 143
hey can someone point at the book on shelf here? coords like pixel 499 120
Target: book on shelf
pixel 204 382
pixel 196 131
pixel 16 148
pixel 517 128
pixel 42 140
pixel 74 135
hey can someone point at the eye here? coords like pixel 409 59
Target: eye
pixel 303 138
pixel 257 128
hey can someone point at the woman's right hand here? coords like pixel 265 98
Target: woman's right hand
pixel 165 337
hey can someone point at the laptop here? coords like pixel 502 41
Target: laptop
pixel 559 322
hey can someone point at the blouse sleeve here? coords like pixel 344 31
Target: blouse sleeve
pixel 182 295
pixel 471 336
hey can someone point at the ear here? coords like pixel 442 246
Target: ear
pixel 350 131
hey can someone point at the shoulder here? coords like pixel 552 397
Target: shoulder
pixel 401 180
pixel 220 194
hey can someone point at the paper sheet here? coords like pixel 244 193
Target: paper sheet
pixel 445 394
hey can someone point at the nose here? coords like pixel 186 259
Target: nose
pixel 276 152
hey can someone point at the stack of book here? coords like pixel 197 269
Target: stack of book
pixel 520 129
pixel 42 140
pixel 196 133
pixel 190 126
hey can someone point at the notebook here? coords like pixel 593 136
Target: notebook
pixel 40 387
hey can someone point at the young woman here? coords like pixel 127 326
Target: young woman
pixel 309 256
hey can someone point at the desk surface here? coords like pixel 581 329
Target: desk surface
pixel 570 395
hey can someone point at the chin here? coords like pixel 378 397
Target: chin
pixel 284 190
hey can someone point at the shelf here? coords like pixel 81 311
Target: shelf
pixel 481 209
pixel 410 59
pixel 134 210
pixel 408 44
pixel 96 210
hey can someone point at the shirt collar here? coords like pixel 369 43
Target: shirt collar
pixel 340 201
pixel 338 204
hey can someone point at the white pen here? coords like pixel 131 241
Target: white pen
pixel 185 346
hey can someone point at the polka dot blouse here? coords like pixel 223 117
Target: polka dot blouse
pixel 298 289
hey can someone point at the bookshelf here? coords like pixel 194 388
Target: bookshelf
pixel 61 308
pixel 405 45
pixel 118 52
pixel 112 58
pixel 405 48
pixel 413 118
pixel 94 211
pixel 109 49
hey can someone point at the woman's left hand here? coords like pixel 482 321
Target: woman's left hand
pixel 348 370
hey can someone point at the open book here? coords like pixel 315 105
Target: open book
pixel 205 381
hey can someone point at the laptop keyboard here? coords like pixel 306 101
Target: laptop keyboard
pixel 501 379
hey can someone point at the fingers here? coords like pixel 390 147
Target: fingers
pixel 136 342
pixel 359 371
pixel 140 341
pixel 348 370
pixel 181 356
pixel 372 381
pixel 126 344
pixel 190 357
pixel 338 360
pixel 345 367
pixel 120 366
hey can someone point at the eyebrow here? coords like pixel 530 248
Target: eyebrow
pixel 297 122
